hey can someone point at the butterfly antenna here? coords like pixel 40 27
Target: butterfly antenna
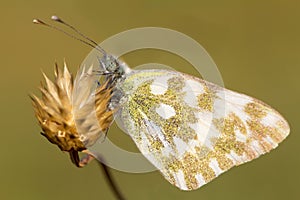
pixel 59 20
pixel 40 22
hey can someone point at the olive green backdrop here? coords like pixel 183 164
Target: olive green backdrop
pixel 256 45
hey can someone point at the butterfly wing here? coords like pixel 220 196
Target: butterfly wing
pixel 193 130
pixel 83 104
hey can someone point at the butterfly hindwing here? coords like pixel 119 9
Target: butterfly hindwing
pixel 193 130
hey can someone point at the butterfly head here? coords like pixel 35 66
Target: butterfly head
pixel 111 65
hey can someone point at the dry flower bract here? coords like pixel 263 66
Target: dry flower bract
pixel 54 111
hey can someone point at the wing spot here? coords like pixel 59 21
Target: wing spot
pixel 159 85
pixel 165 111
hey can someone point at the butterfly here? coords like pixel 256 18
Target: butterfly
pixel 191 130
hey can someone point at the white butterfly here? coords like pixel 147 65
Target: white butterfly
pixel 191 130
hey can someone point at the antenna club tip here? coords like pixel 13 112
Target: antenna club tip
pixel 37 21
pixel 55 18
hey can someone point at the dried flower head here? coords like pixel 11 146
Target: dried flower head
pixel 55 113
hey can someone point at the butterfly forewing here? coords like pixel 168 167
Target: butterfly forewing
pixel 193 130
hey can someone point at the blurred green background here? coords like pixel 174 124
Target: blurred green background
pixel 255 44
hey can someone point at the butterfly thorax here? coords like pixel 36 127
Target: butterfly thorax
pixel 115 72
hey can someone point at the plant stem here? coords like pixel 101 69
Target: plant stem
pixel 111 181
